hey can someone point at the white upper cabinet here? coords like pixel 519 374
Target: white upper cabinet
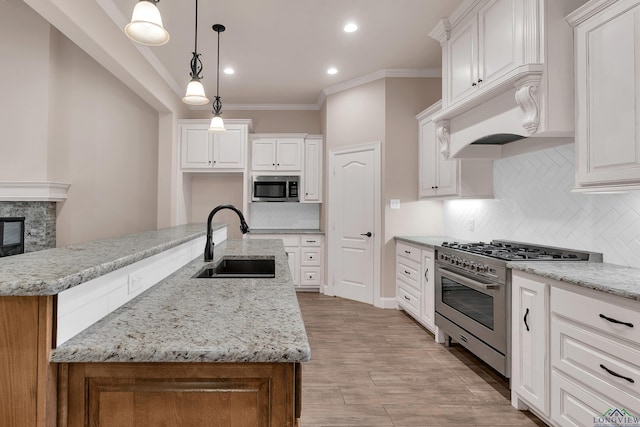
pixel 607 52
pixel 312 181
pixel 439 177
pixel 506 75
pixel 276 154
pixel 484 47
pixel 206 151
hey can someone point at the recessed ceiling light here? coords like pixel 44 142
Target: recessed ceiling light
pixel 332 70
pixel 350 27
pixel 229 70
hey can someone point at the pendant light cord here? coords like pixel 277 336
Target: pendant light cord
pixel 217 104
pixel 196 63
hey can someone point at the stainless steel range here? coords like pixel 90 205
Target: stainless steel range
pixel 473 293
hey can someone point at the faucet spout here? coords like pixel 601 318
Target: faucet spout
pixel 208 248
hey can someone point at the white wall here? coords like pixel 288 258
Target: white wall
pixel 534 203
pixel 24 85
pixel 103 140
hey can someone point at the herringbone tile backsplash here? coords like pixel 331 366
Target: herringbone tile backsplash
pixel 534 203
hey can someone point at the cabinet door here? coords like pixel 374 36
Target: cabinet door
pixel 313 171
pixel 263 154
pixel 428 167
pixel 608 95
pixel 530 326
pixel 428 289
pixel 462 58
pixel 447 176
pixel 229 149
pixel 289 154
pixel 500 41
pixel 196 147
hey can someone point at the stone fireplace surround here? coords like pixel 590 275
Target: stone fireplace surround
pixel 36 202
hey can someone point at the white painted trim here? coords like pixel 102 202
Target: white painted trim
pixel 389 303
pixel 33 191
pixel 429 110
pixel 381 74
pixel 377 242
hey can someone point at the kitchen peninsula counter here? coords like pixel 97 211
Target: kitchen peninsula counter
pixel 428 241
pixel 52 271
pixel 183 319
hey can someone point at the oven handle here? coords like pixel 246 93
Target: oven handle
pixel 469 282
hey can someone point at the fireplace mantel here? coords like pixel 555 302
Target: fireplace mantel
pixel 33 191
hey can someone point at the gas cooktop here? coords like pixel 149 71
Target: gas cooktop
pixel 516 251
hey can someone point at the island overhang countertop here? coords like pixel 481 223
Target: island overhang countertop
pixel 184 319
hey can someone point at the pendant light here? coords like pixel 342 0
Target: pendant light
pixel 217 124
pixel 195 91
pixel 146 24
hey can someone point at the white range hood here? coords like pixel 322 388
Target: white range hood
pixel 507 80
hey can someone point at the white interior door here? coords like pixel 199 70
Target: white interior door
pixel 354 221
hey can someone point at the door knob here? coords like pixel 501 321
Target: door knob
pixel 368 234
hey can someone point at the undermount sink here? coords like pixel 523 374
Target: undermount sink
pixel 238 267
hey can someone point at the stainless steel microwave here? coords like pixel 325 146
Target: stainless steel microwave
pixel 275 188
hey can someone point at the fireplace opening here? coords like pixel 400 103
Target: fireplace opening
pixel 11 236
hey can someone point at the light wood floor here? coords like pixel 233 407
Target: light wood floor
pixel 373 367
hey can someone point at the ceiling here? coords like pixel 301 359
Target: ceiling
pixel 281 49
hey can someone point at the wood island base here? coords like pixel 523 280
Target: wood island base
pixel 179 394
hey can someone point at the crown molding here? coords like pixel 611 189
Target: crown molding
pixel 33 191
pixel 381 74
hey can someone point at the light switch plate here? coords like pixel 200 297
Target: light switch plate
pixel 394 203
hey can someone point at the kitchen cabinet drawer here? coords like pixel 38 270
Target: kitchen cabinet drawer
pixel 598 314
pixel 607 366
pixel 573 405
pixel 293 240
pixel 311 241
pixel 310 276
pixel 310 256
pixel 408 272
pixel 408 251
pixel 409 298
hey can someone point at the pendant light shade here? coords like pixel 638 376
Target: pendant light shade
pixel 195 91
pixel 146 24
pixel 217 124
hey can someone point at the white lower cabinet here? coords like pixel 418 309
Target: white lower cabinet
pixel 589 369
pixel 595 357
pixel 305 253
pixel 529 343
pixel 415 292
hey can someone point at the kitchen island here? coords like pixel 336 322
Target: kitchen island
pixel 187 350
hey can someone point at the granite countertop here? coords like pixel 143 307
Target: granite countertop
pixel 610 278
pixel 286 231
pixel 182 319
pixel 51 271
pixel 429 241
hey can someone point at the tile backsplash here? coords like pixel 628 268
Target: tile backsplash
pixel 534 203
pixel 284 215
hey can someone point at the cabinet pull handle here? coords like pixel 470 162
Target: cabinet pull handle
pixel 426 271
pixel 609 319
pixel 311 241
pixel 526 313
pixel 615 374
pixel 407 298
pixel 463 338
pixel 407 252
pixel 406 272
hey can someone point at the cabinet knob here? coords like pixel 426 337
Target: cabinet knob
pixel 479 80
pixel 474 84
pixel 209 161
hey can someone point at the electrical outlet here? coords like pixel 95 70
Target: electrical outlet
pixel 394 204
pixel 470 224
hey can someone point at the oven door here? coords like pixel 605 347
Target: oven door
pixel 474 304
